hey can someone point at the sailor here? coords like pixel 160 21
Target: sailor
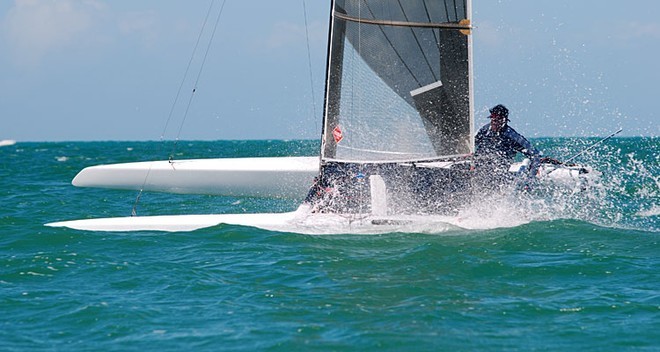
pixel 496 146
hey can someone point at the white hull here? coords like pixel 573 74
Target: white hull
pixel 174 223
pixel 278 177
pixel 7 142
pixel 300 221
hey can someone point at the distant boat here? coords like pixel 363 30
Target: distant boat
pixel 7 142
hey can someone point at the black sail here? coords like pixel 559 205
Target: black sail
pixel 398 82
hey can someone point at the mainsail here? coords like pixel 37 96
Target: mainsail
pixel 399 81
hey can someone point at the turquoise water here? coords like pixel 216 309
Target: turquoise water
pixel 586 276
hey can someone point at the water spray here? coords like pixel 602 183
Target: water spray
pixel 593 145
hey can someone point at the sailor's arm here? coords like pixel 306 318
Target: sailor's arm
pixel 525 147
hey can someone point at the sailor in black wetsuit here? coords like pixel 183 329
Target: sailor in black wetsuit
pixel 496 146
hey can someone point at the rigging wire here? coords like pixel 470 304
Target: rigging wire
pixel 199 74
pixel 309 61
pixel 178 93
pixel 185 74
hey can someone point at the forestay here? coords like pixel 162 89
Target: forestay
pixel 399 82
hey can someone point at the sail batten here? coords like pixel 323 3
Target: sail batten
pixel 444 25
pixel 398 81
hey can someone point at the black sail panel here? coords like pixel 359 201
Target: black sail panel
pixel 398 83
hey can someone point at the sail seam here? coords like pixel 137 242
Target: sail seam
pixel 419 45
pixel 393 47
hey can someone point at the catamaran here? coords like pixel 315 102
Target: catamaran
pixel 396 143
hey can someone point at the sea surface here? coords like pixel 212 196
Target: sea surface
pixel 581 271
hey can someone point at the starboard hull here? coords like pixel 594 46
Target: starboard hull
pixel 301 221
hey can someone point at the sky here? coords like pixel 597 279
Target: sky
pixel 81 70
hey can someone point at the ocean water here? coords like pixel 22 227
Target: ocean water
pixel 580 272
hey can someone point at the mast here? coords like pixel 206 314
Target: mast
pixel 333 79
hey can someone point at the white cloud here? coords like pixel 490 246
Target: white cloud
pixel 641 30
pixel 143 24
pixel 36 28
pixel 622 34
pixel 286 34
